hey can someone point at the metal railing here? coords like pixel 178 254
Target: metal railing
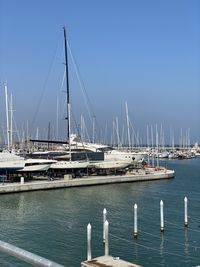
pixel 26 256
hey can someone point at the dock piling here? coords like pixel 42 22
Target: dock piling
pixel 185 212
pixel 106 225
pixel 104 220
pixel 135 222
pixel 161 216
pixel 89 238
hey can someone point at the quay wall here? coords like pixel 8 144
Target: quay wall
pixel 86 181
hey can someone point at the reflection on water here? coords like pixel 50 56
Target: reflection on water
pixel 53 223
pixel 186 247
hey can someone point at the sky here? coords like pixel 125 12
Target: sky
pixel 140 52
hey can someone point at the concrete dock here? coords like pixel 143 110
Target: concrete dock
pixel 84 181
pixel 107 261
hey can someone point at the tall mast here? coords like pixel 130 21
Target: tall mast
pixel 67 84
pixel 11 122
pixel 128 127
pixel 7 117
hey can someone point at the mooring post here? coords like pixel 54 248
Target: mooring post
pixel 89 250
pixel 161 216
pixel 22 180
pixel 106 225
pixel 185 211
pixel 104 220
pixel 135 221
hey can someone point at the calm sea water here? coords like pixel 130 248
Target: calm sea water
pixel 53 223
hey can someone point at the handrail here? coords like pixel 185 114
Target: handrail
pixel 26 256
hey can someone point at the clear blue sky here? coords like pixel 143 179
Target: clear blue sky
pixel 144 52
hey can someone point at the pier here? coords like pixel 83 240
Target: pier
pixel 68 181
pixel 108 261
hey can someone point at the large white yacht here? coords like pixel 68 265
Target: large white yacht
pixel 110 153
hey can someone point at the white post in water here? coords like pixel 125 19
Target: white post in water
pixel 106 225
pixel 161 217
pixel 104 220
pixel 135 221
pixel 89 253
pixel 185 212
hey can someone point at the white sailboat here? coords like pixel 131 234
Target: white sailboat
pixel 65 165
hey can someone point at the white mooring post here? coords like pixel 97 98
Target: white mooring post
pixel 104 220
pixel 89 251
pixel 135 221
pixel 22 180
pixel 161 216
pixel 106 225
pixel 185 211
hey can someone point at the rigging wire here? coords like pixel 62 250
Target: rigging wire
pixel 86 98
pixel 82 85
pixel 44 85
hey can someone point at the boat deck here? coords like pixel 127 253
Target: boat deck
pixel 108 261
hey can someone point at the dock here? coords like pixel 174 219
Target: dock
pixel 68 181
pixel 107 261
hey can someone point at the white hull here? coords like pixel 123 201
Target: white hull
pixel 125 156
pixel 37 165
pixel 110 164
pixel 69 165
pixel 10 161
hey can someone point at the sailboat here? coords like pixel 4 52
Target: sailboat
pixel 10 162
pixel 64 165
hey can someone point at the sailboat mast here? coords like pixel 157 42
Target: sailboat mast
pixel 67 84
pixel 128 127
pixel 7 117
pixel 11 122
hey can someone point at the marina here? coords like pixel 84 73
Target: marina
pixel 52 223
pixel 99 139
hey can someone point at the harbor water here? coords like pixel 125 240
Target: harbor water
pixel 53 223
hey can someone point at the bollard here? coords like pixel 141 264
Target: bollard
pixel 106 225
pixel 161 216
pixel 89 235
pixel 135 221
pixel 185 212
pixel 104 220
pixel 22 180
